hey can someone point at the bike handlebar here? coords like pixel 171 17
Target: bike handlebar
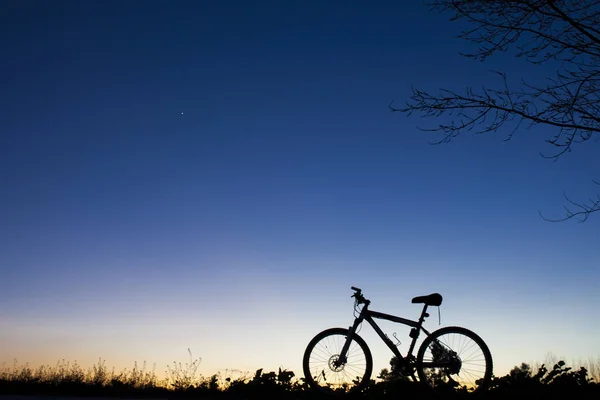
pixel 360 299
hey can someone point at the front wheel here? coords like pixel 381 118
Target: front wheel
pixel 323 371
pixel 454 360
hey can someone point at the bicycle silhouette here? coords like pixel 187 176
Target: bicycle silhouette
pixel 449 360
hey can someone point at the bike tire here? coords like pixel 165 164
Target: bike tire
pixel 322 350
pixel 465 359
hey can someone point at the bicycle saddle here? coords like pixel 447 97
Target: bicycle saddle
pixel 434 299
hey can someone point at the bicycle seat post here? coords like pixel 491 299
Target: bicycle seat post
pixel 423 314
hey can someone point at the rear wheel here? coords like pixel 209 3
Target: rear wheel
pixel 454 360
pixel 320 362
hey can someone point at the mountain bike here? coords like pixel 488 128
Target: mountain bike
pixel 449 360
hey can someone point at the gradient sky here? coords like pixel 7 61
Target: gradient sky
pixel 216 175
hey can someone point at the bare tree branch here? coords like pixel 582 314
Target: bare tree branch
pixel 574 209
pixel 562 34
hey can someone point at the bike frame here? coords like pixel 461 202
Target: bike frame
pixel 369 316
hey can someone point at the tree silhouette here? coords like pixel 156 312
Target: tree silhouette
pixel 563 35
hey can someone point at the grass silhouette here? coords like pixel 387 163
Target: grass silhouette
pixel 183 380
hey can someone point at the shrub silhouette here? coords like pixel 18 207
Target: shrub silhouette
pixel 185 377
pixel 184 380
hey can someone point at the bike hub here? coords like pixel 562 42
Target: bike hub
pixel 335 364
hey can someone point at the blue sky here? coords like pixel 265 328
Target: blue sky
pixel 216 175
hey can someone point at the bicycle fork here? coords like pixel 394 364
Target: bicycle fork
pixel 343 356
